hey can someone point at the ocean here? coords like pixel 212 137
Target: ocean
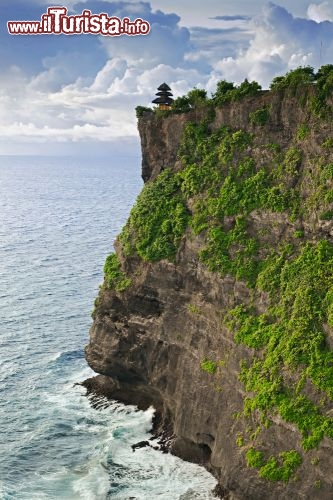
pixel 58 220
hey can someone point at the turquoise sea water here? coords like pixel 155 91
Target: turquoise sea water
pixel 58 220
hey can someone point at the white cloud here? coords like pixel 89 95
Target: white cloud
pixel 179 79
pixel 281 42
pixel 114 68
pixel 77 133
pixel 320 12
pixel 166 44
pixel 65 102
pixel 72 100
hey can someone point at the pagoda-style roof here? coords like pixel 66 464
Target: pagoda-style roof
pixel 163 96
pixel 163 100
pixel 164 86
pixel 166 92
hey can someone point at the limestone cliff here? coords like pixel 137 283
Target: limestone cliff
pixel 222 319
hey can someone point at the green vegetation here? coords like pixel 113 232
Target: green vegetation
pixel 225 179
pixel 209 366
pixel 193 99
pixel 274 469
pixel 157 221
pixel 328 143
pixel 193 309
pixel 292 339
pixel 303 132
pixel 240 440
pixel 96 304
pixel 254 458
pixel 292 161
pixel 223 182
pixel 232 252
pixel 324 79
pixel 227 92
pixel 302 76
pixel 281 469
pixel 327 215
pixel 294 78
pixel 321 187
pixel 141 110
pixel 223 91
pixel 228 183
pixel 260 116
pixel 115 278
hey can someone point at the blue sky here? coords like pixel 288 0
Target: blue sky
pixel 77 94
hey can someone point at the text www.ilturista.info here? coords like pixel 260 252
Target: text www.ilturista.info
pixel 56 22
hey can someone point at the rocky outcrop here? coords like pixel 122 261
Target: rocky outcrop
pixel 149 341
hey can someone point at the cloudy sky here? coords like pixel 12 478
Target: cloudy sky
pixel 77 94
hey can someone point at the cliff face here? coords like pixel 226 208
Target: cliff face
pixel 171 336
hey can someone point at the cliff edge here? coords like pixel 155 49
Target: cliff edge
pixel 217 307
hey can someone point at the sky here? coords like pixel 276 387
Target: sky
pixel 64 95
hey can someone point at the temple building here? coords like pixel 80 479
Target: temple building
pixel 163 99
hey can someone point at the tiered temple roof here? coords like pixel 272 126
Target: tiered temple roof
pixel 164 96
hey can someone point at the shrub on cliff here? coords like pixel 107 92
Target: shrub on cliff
pixel 294 78
pixel 141 110
pixel 227 92
pixel 115 278
pixel 221 95
pixel 157 221
pixel 324 79
pixel 260 116
pixel 193 99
